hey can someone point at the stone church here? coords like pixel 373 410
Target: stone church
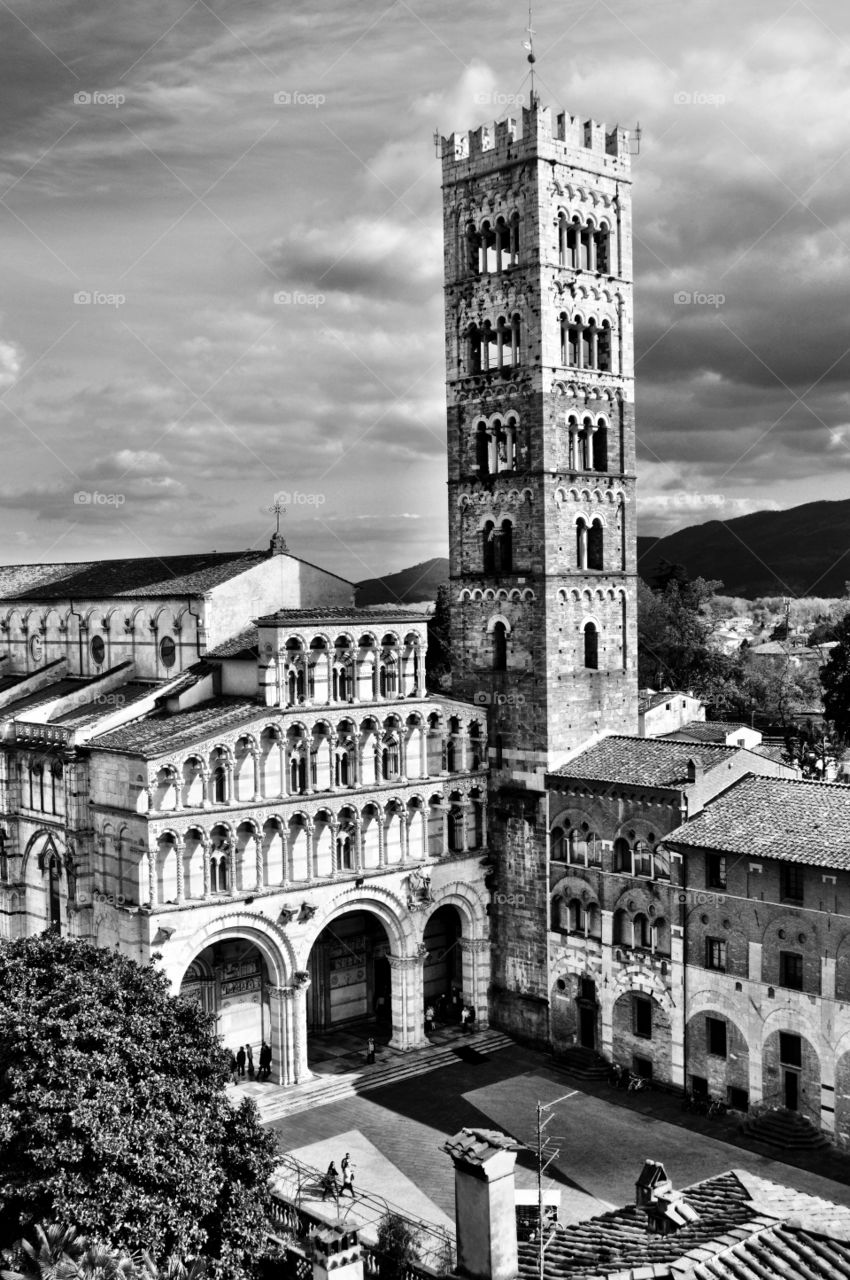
pixel 219 762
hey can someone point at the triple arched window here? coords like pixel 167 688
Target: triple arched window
pixel 493 347
pixel 585 344
pixel 587 444
pixel 496 447
pixel 494 247
pixel 582 246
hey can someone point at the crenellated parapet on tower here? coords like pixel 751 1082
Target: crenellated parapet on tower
pixel 541 444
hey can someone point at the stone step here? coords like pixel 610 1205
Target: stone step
pixel 785 1129
pixel 584 1063
pixel 322 1090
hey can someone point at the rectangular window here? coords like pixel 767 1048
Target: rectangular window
pixel 643 859
pixel 642 1067
pixel 738 1099
pixel 715 954
pixel 791 970
pixel 642 1017
pixel 715 870
pixel 791 882
pixel 699 1086
pixel 790 1049
pixel 715 1035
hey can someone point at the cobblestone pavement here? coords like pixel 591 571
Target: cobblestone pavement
pixel 603 1142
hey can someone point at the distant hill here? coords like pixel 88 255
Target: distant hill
pixel 408 586
pixel 804 551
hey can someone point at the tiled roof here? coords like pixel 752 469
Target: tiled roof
pixel 241 645
pixel 703 731
pixel 49 693
pixel 105 703
pixel 476 1146
pixel 644 762
pixel 745 1226
pixel 648 701
pixel 137 576
pixel 795 821
pixel 159 734
pixel 337 614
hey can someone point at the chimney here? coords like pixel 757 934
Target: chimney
pixel 666 1209
pixel 336 1254
pixel 485 1210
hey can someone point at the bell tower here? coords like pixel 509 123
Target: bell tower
pixel 541 445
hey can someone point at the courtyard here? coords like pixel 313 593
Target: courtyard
pixel 394 1135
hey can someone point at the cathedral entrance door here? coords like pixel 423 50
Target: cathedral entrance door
pixel 791 1089
pixel 587 1025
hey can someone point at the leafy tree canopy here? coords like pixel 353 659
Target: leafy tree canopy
pixel 835 680
pixel 438 657
pixel 675 626
pixel 113 1114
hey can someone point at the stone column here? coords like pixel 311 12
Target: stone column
pixel 255 756
pixel 423 750
pixel 607 995
pixel 288 1034
pixel 258 858
pixel 206 848
pixel 358 844
pixel 178 787
pixel 475 960
pixel 678 1016
pixel 408 1001
pixel 178 852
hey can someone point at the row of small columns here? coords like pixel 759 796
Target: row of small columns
pixel 232 852
pixel 572 238
pixel 593 331
pixel 581 446
pixel 461 740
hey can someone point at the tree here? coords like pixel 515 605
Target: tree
pixel 438 663
pixel 395 1246
pixel 60 1254
pixel 675 627
pixel 113 1113
pixel 835 681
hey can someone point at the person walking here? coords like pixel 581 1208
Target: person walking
pixel 240 1060
pixel 347 1177
pixel 370 1052
pixel 464 1019
pixel 265 1061
pixel 331 1182
pixel 249 1054
pixel 234 1068
pixel 429 1019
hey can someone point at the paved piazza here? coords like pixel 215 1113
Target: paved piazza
pixel 399 1131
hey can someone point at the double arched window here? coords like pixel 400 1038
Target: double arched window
pixel 587 444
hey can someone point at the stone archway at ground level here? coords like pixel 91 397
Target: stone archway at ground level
pixel 350 976
pixel 246 979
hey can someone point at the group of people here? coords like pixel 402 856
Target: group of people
pixel 331 1184
pixel 242 1063
pixel 449 1009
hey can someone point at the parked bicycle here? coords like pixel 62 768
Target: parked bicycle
pixel 638 1083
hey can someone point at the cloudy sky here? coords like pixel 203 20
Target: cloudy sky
pixel 222 255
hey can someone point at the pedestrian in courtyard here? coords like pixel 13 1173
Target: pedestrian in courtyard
pixel 265 1061
pixel 234 1068
pixel 347 1177
pixel 464 1018
pixel 249 1054
pixel 240 1060
pixel 370 1052
pixel 331 1182
pixel 429 1019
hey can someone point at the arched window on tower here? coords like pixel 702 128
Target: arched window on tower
pixel 505 548
pixel 218 871
pixel 581 544
pixel 54 874
pixel 603 348
pixel 591 646
pixel 600 446
pixel 595 548
pixel 220 785
pixel 500 647
pixel 488 547
pixel 482 451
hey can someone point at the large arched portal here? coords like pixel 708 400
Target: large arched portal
pixel 230 978
pixel 350 976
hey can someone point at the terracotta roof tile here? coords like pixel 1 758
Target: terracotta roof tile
pixel 160 734
pixel 647 762
pixel 134 576
pixel 785 818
